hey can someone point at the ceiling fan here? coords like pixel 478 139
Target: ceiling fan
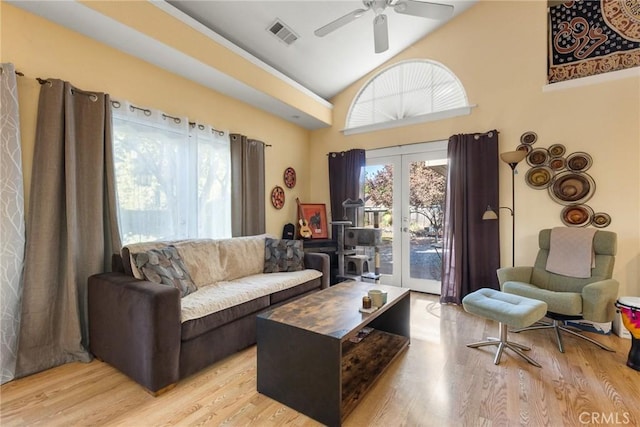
pixel 380 29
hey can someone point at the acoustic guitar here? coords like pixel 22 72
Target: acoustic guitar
pixel 304 231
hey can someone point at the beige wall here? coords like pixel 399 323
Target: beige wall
pixel 39 48
pixel 498 51
pixel 172 32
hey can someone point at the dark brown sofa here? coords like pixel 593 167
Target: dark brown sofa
pixel 140 327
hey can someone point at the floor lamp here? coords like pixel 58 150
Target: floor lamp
pixel 512 158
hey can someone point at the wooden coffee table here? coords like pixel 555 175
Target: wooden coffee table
pixel 307 360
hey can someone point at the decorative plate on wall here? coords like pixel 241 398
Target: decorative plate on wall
pixel 539 177
pixel 557 163
pixel 579 161
pixel 538 157
pixel 576 215
pixel 565 178
pixel 290 177
pixel 601 220
pixel 277 197
pixel 529 138
pixel 557 150
pixel 570 188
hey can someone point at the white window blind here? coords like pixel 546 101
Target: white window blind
pixel 406 90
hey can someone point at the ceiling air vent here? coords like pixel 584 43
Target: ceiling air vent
pixel 283 32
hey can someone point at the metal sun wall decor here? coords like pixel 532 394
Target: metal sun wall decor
pixel 566 179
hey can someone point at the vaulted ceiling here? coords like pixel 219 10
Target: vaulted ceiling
pixel 315 67
pixel 325 65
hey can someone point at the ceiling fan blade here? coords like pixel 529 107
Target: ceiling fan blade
pixel 343 20
pixel 380 33
pixel 424 10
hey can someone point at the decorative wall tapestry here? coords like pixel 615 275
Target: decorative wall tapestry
pixel 592 37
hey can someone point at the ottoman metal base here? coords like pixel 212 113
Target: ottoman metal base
pixel 503 343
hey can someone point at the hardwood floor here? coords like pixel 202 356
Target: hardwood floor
pixel 438 381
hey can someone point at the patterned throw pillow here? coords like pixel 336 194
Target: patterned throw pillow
pixel 165 267
pixel 283 255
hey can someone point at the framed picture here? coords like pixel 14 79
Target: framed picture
pixel 316 216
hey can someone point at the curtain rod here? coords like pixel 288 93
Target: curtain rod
pixel 177 120
pixel 388 146
pixel 342 153
pixel 18 73
pixel 147 112
pixel 201 127
pixel 258 141
pixel 263 143
pixel 489 134
pixel 476 136
pixel 92 96
pixel 238 136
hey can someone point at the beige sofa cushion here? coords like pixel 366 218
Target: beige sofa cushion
pixel 202 260
pixel 211 260
pixel 242 256
pixel 219 296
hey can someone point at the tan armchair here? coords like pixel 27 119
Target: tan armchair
pixel 568 298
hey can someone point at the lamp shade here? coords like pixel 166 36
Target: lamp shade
pixel 513 156
pixel 489 214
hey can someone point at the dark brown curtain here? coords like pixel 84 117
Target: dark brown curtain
pixel 247 186
pixel 345 173
pixel 471 246
pixel 71 225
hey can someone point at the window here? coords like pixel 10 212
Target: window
pixel 172 177
pixel 407 93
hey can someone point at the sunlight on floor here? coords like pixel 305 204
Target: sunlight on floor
pixel 426 344
pixel 426 325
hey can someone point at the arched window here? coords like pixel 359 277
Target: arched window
pixel 405 93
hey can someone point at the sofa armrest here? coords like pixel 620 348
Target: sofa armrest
pixel 319 261
pixel 514 274
pixel 116 263
pixel 134 325
pixel 598 300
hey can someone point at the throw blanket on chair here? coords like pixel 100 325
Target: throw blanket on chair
pixel 571 251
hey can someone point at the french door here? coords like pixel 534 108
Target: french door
pixel 405 188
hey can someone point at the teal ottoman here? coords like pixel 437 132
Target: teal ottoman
pixel 508 310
